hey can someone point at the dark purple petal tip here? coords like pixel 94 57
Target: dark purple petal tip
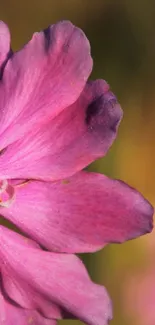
pixel 103 111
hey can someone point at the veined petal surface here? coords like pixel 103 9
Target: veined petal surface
pixel 79 135
pixel 81 213
pixel 31 277
pixel 43 78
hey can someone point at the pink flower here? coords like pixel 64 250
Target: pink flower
pixel 54 123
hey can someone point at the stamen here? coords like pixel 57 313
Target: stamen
pixel 7 194
pixel 3 186
pixel 23 183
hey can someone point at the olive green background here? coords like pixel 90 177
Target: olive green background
pixel 122 37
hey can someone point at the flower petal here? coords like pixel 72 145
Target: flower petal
pixel 79 135
pixel 80 214
pixel 12 314
pixel 43 78
pixel 4 44
pixel 29 273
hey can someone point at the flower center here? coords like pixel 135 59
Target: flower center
pixel 7 194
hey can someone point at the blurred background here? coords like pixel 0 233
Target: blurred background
pixel 122 37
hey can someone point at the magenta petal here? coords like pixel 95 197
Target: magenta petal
pixel 79 135
pixel 29 272
pixel 80 214
pixel 12 314
pixel 42 79
pixel 4 43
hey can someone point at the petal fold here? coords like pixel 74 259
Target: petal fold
pixel 31 277
pixel 42 79
pixel 81 213
pixel 76 137
pixel 12 314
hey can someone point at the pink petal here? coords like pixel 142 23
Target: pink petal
pixel 29 273
pixel 12 314
pixel 4 43
pixel 80 214
pixel 79 135
pixel 42 79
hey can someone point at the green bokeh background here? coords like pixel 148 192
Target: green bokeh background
pixel 122 37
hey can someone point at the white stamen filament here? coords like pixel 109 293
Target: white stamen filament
pixel 10 190
pixel 4 186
